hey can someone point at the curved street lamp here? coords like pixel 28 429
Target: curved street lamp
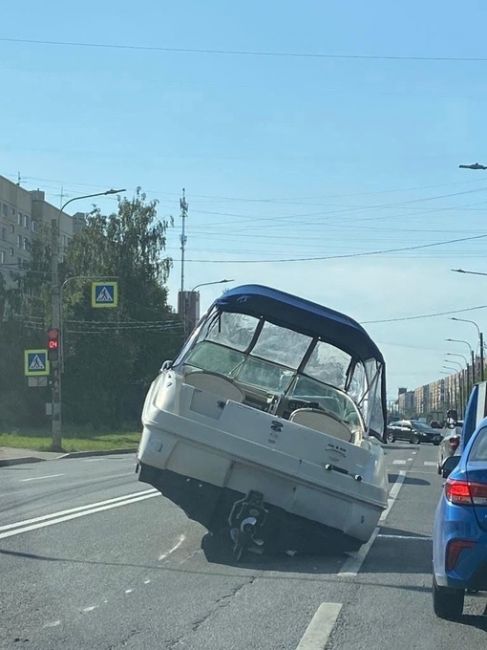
pixel 481 342
pixel 472 355
pixel 454 354
pixel 186 300
pixel 56 422
pixel 207 284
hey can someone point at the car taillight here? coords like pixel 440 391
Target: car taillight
pixel 478 492
pixel 458 492
pixel 453 551
pixel 464 493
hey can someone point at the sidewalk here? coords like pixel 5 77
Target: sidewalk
pixel 13 456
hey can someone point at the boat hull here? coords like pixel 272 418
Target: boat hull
pixel 210 506
pixel 232 449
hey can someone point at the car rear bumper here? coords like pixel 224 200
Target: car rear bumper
pixel 470 571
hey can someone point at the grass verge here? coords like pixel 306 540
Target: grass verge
pixel 72 441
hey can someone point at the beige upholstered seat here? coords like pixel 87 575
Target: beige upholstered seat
pixel 210 382
pixel 321 421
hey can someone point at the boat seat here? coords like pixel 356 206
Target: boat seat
pixel 320 421
pixel 214 383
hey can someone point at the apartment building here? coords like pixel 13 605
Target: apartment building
pixel 22 214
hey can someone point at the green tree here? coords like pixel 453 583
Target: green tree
pixel 111 355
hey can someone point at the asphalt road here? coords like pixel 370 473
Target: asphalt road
pixel 91 558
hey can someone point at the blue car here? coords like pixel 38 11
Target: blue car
pixel 460 528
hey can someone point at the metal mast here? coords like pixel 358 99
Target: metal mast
pixel 184 214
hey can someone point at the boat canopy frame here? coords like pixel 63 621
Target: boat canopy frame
pixel 319 323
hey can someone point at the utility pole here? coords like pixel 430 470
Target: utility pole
pixel 56 422
pixel 55 322
pixel 481 339
pixel 183 239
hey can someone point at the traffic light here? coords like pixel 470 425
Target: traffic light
pixel 53 344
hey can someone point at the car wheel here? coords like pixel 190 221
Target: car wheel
pixel 436 443
pixel 447 603
pixel 414 439
pixel 390 438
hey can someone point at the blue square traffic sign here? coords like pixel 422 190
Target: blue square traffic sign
pixel 36 363
pixel 104 294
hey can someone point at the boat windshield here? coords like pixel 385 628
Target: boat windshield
pixel 280 361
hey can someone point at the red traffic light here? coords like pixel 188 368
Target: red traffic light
pixel 53 338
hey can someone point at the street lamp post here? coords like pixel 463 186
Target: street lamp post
pixel 481 342
pixel 459 370
pixel 186 297
pixel 472 355
pixel 56 421
pixel 457 390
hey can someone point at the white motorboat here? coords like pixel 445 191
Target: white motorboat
pixel 268 425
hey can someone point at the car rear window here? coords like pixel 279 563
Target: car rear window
pixel 479 448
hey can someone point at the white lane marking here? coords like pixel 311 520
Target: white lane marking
pixel 320 627
pixel 52 624
pixel 59 520
pixel 39 478
pixel 410 459
pixel 90 608
pixel 413 537
pixel 129 457
pixel 353 564
pixel 174 548
pixel 399 462
pixel 128 591
pixel 146 582
pixel 77 509
pixel 430 463
pixel 414 453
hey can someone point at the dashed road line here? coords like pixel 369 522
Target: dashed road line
pixel 51 624
pixel 39 478
pixel 430 463
pixel 399 462
pixel 422 538
pixel 174 548
pixel 90 608
pixel 354 563
pixel 320 627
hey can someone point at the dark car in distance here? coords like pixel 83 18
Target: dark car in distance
pixel 413 431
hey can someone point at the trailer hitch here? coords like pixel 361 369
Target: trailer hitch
pixel 246 519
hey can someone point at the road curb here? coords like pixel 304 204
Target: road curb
pixel 97 452
pixel 4 462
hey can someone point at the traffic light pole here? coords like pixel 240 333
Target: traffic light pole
pixel 56 318
pixel 56 414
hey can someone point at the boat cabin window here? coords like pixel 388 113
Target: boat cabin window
pixel 327 397
pixel 214 358
pixel 281 345
pixel 265 375
pixel 328 364
pixel 226 328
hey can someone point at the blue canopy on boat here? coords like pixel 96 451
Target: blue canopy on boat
pixel 301 315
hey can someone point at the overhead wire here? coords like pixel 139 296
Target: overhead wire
pixel 420 316
pixel 337 256
pixel 249 53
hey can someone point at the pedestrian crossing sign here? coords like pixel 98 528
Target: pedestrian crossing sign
pixel 104 294
pixel 36 363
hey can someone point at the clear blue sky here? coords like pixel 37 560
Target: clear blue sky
pixel 281 157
